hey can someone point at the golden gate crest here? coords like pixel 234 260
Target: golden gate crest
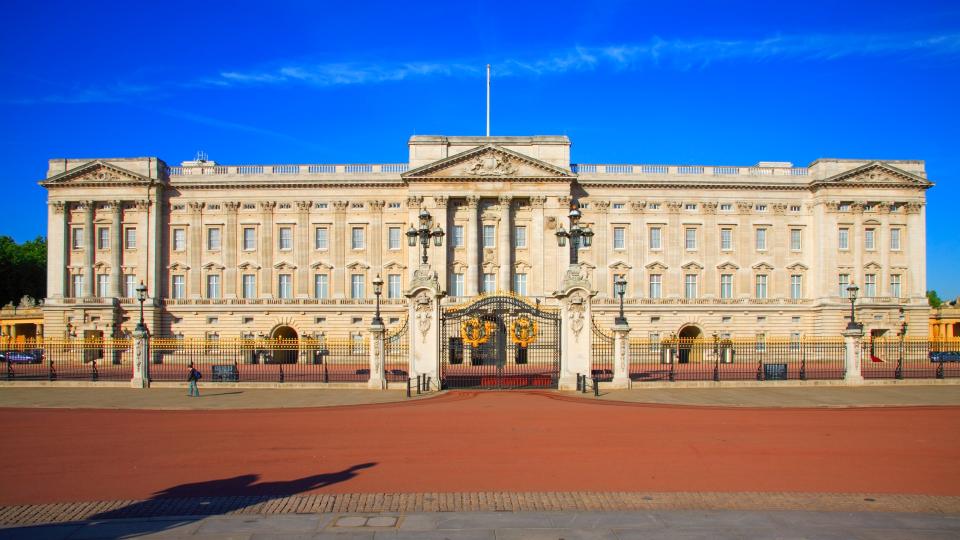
pixel 523 331
pixel 475 332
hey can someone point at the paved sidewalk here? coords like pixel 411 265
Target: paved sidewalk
pixel 526 525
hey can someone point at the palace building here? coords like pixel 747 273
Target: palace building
pixel 290 251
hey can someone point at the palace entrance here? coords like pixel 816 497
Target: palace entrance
pixel 686 351
pixel 286 345
pixel 500 342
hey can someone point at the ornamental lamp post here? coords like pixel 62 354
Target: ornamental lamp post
pixel 620 289
pixel 377 291
pixel 424 233
pixel 141 297
pixel 852 291
pixel 578 235
pixel 902 334
pixel 716 355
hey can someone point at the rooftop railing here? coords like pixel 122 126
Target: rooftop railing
pixel 686 170
pixel 289 170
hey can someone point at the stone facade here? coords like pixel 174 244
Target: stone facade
pixel 284 250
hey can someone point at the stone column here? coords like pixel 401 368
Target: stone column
pixel 339 237
pixel 473 246
pixel 621 355
pixel 195 250
pixel 91 241
pixel 375 257
pixel 536 246
pixel 266 248
pixel 852 355
pixel 637 248
pixel 377 376
pixel 440 253
pixel 230 250
pixel 602 245
pixel 575 327
pixel 57 248
pixel 148 238
pixel 302 247
pixel 424 323
pixel 116 249
pixel 141 354
pixel 504 249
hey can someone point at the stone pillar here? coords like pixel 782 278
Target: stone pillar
pixel 621 356
pixel 266 248
pixel 601 247
pixel 195 250
pixel 230 250
pixel 302 247
pixel 440 253
pixel 504 249
pixel 377 376
pixel 147 241
pixel 141 354
pixel 375 257
pixel 536 246
pixel 853 355
pixel 424 323
pixel 473 246
pixel 57 250
pixel 575 327
pixel 116 249
pixel 91 241
pixel 339 237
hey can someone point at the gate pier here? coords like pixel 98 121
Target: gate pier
pixel 423 316
pixel 576 321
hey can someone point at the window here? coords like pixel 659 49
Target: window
pixel 393 286
pixel 458 236
pixel 653 206
pixel 726 207
pixel 726 286
pixel 894 239
pixel 249 286
pixel 618 206
pixel 656 238
pixel 103 285
pixel 356 238
pixel 249 239
pixel 895 285
pixel 520 284
pixel 843 282
pixel 761 239
pixel 76 238
pixel 103 238
pixel 393 238
pixel 456 285
pixel 870 285
pixel 393 205
pixel 356 286
pixel 489 283
pixel 320 238
pixel 76 285
pixel 129 286
pixel 795 208
pixel 869 239
pixel 130 238
pixel 285 286
pixel 213 238
pixel 795 240
pixel 690 206
pixel 489 236
pixel 690 286
pixel 655 291
pixel 286 239
pixel 843 238
pixel 796 286
pixel 726 239
pixel 761 286
pixel 520 236
pixel 213 286
pixel 178 287
pixel 761 208
pixel 321 286
pixel 179 239
pixel 690 238
pixel 843 207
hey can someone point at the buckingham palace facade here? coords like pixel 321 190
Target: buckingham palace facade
pixel 292 250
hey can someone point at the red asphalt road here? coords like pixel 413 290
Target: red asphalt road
pixel 470 441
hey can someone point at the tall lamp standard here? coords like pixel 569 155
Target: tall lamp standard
pixel 424 233
pixel 852 291
pixel 578 235
pixel 620 289
pixel 902 334
pixel 141 297
pixel 377 291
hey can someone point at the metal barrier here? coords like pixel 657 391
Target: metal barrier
pixel 602 344
pixel 56 359
pixel 396 352
pixel 910 358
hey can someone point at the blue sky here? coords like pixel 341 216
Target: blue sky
pixel 721 83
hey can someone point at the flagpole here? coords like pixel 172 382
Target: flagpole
pixel 488 100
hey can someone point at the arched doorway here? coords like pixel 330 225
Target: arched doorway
pixel 689 349
pixel 287 345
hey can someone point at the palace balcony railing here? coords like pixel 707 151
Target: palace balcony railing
pixel 686 170
pixel 290 170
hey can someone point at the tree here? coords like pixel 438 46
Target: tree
pixel 933 299
pixel 23 268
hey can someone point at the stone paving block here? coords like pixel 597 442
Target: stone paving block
pixel 436 535
pixel 555 534
pixel 39 532
pixel 286 523
pixel 486 520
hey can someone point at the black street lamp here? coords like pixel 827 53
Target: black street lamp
pixel 578 235
pixel 620 289
pixel 902 334
pixel 377 291
pixel 425 233
pixel 716 357
pixel 852 291
pixel 141 297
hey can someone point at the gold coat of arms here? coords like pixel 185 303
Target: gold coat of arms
pixel 475 332
pixel 523 331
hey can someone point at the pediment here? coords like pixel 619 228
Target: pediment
pixel 797 267
pixel 872 265
pixel 247 265
pixel 728 266
pixel 762 266
pixel 488 162
pixel 357 265
pixel 178 266
pixel 619 265
pixel 692 265
pixel 320 265
pixel 656 266
pixel 212 266
pixel 285 265
pixel 101 266
pixel 875 174
pixel 490 266
pixel 394 265
pixel 458 267
pixel 521 266
pixel 97 173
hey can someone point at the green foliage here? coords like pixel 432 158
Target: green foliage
pixel 934 299
pixel 23 269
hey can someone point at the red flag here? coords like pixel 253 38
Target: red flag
pixel 876 359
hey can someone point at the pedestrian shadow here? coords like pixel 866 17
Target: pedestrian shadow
pixel 184 504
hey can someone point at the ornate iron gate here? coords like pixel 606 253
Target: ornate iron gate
pixel 500 342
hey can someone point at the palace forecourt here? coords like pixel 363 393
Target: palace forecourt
pixel 471 264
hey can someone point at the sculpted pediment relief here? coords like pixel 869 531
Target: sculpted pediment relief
pixel 357 265
pixel 394 265
pixel 177 267
pixel 692 265
pixel 248 266
pixel 872 266
pixel 762 267
pixel 97 173
pixel 212 266
pixel 797 267
pixel 284 265
pixel 877 174
pixel 728 266
pixel 320 265
pixel 656 266
pixel 619 265
pixel 488 162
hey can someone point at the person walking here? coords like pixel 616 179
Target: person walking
pixel 192 378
